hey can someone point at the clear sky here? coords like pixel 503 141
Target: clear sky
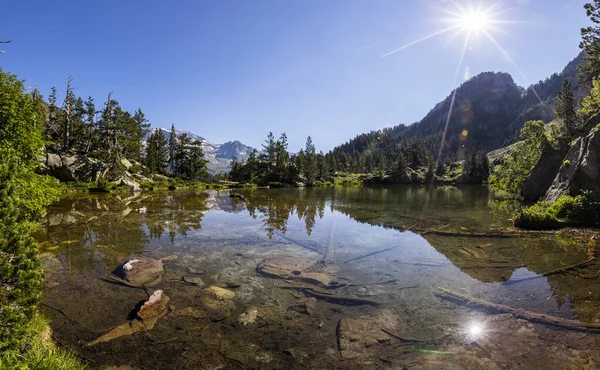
pixel 237 69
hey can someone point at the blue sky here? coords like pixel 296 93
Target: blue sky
pixel 229 70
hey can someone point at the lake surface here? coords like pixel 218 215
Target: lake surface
pixel 370 288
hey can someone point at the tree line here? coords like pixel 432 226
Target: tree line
pixel 111 134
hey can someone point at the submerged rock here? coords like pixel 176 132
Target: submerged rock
pixel 220 293
pixel 298 269
pixel 151 311
pixel 253 313
pixel 361 336
pixel 217 310
pixel 356 336
pixel 140 271
pixel 193 280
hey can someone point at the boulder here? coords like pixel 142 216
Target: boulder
pixel 133 186
pixel 543 173
pixel 139 271
pixel 580 169
pixel 71 167
pixel 126 164
pixel 220 293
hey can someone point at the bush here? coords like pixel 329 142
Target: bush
pixel 567 163
pixel 104 186
pixel 136 168
pixel 583 209
pixel 23 199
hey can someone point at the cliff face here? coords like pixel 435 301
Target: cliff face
pixel 580 168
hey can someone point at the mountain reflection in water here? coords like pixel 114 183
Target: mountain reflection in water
pixel 393 246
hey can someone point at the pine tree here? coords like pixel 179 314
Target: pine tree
pixel 590 44
pixel 268 154
pixel 180 162
pixel 68 107
pixel 282 158
pixel 52 125
pixel 172 148
pixel 322 166
pixel 400 163
pixel 564 107
pixel 78 133
pixel 90 112
pixel 137 128
pixel 196 162
pixel 310 167
pixel 161 152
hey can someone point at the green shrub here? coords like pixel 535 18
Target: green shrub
pixel 104 186
pixel 24 197
pixel 583 209
pixel 136 168
pixel 567 163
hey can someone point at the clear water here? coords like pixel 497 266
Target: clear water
pixel 375 242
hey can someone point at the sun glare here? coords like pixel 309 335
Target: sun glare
pixel 474 21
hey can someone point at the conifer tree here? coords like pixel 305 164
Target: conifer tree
pixel 172 148
pixel 564 107
pixel 68 107
pixel 590 44
pixel 310 166
pixel 90 122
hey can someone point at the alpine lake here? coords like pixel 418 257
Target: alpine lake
pixel 396 277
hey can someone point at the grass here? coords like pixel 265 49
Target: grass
pixel 582 209
pixel 348 179
pixel 40 352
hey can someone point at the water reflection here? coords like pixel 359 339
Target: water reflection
pixel 376 242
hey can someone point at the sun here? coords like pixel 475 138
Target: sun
pixel 474 21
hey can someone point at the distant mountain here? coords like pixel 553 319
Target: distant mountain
pixel 488 112
pixel 218 155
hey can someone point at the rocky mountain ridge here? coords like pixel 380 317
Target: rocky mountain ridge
pixel 218 156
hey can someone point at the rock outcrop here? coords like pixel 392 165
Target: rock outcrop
pixel 71 167
pixel 543 173
pixel 580 169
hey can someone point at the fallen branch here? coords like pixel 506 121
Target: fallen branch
pixel 371 254
pixel 411 340
pixel 475 235
pixel 377 283
pixel 548 273
pixel 346 301
pixel 337 299
pixel 527 315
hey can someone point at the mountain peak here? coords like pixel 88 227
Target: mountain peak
pixel 218 156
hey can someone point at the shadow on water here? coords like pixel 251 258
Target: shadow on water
pixel 323 278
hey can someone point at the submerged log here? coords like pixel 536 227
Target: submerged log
pixel 527 315
pixel 548 273
pixel 499 234
pixel 337 299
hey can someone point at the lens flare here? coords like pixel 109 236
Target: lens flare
pixel 474 21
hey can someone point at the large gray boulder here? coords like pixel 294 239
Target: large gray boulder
pixel 71 167
pixel 543 173
pixel 580 169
